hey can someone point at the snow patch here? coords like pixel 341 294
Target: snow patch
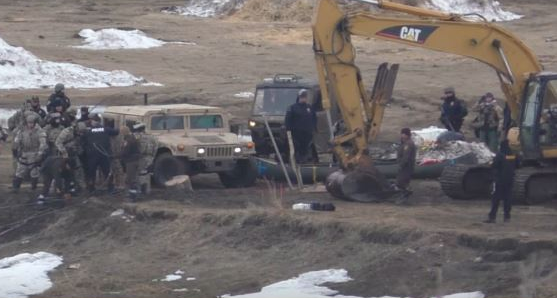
pixel 20 69
pixel 116 39
pixel 308 285
pixel 205 8
pixel 489 9
pixel 26 274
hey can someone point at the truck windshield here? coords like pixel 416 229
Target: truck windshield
pixel 274 101
pixel 167 122
pixel 205 121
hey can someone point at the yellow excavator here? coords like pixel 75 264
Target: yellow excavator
pixel 530 92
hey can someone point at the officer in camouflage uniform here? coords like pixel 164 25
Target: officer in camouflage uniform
pixel 53 130
pixel 36 107
pixel 488 122
pixel 68 144
pixel 148 146
pixel 18 120
pixel 30 144
pixel 116 145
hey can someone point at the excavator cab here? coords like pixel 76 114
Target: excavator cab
pixel 538 118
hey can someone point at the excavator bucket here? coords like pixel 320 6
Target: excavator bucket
pixel 365 183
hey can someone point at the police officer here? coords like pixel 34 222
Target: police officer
pixel 116 165
pixel 60 170
pixel 148 146
pixel 98 152
pixel 19 119
pixel 36 107
pixel 301 120
pixel 31 147
pixel 69 146
pixel 488 121
pixel 53 130
pixel 58 97
pixel 503 170
pixel 406 158
pixel 84 117
pixel 453 110
pixel 59 112
pixel 131 158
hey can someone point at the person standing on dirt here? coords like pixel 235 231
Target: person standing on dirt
pixel 301 120
pixel 488 121
pixel 53 130
pixel 503 172
pixel 58 97
pixel 96 142
pixel 148 146
pixel 131 156
pixel 406 159
pixel 60 170
pixel 31 147
pixel 453 110
pixel 36 107
pixel 84 117
pixel 69 146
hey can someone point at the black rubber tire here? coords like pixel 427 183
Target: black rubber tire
pixel 166 166
pixel 244 174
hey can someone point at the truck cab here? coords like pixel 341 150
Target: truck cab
pixel 272 98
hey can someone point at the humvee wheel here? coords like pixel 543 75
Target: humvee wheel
pixel 243 175
pixel 167 166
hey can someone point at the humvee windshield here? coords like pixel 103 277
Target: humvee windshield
pixel 274 101
pixel 205 121
pixel 167 122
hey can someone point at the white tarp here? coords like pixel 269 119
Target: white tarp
pixel 26 274
pixel 20 69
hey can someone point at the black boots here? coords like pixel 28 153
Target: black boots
pixel 34 182
pixel 16 184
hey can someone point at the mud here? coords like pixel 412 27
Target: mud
pixel 236 241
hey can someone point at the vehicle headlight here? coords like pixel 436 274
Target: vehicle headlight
pixel 200 151
pixel 237 150
pixel 252 123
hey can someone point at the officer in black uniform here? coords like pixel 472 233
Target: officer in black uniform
pixel 96 141
pixel 301 120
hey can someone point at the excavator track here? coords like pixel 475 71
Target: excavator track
pixel 466 182
pixel 533 185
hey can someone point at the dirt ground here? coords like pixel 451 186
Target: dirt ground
pixel 236 241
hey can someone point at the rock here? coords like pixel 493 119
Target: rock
pixel 181 183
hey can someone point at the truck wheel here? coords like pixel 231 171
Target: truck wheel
pixel 243 175
pixel 166 167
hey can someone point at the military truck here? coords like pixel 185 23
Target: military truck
pixel 272 98
pixel 193 139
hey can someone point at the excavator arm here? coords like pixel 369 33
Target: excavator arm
pixel 341 82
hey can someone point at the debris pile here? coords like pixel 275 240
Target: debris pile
pixel 429 150
pixel 20 69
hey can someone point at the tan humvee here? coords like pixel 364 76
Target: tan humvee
pixel 193 139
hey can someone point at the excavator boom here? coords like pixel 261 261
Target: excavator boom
pixel 341 82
